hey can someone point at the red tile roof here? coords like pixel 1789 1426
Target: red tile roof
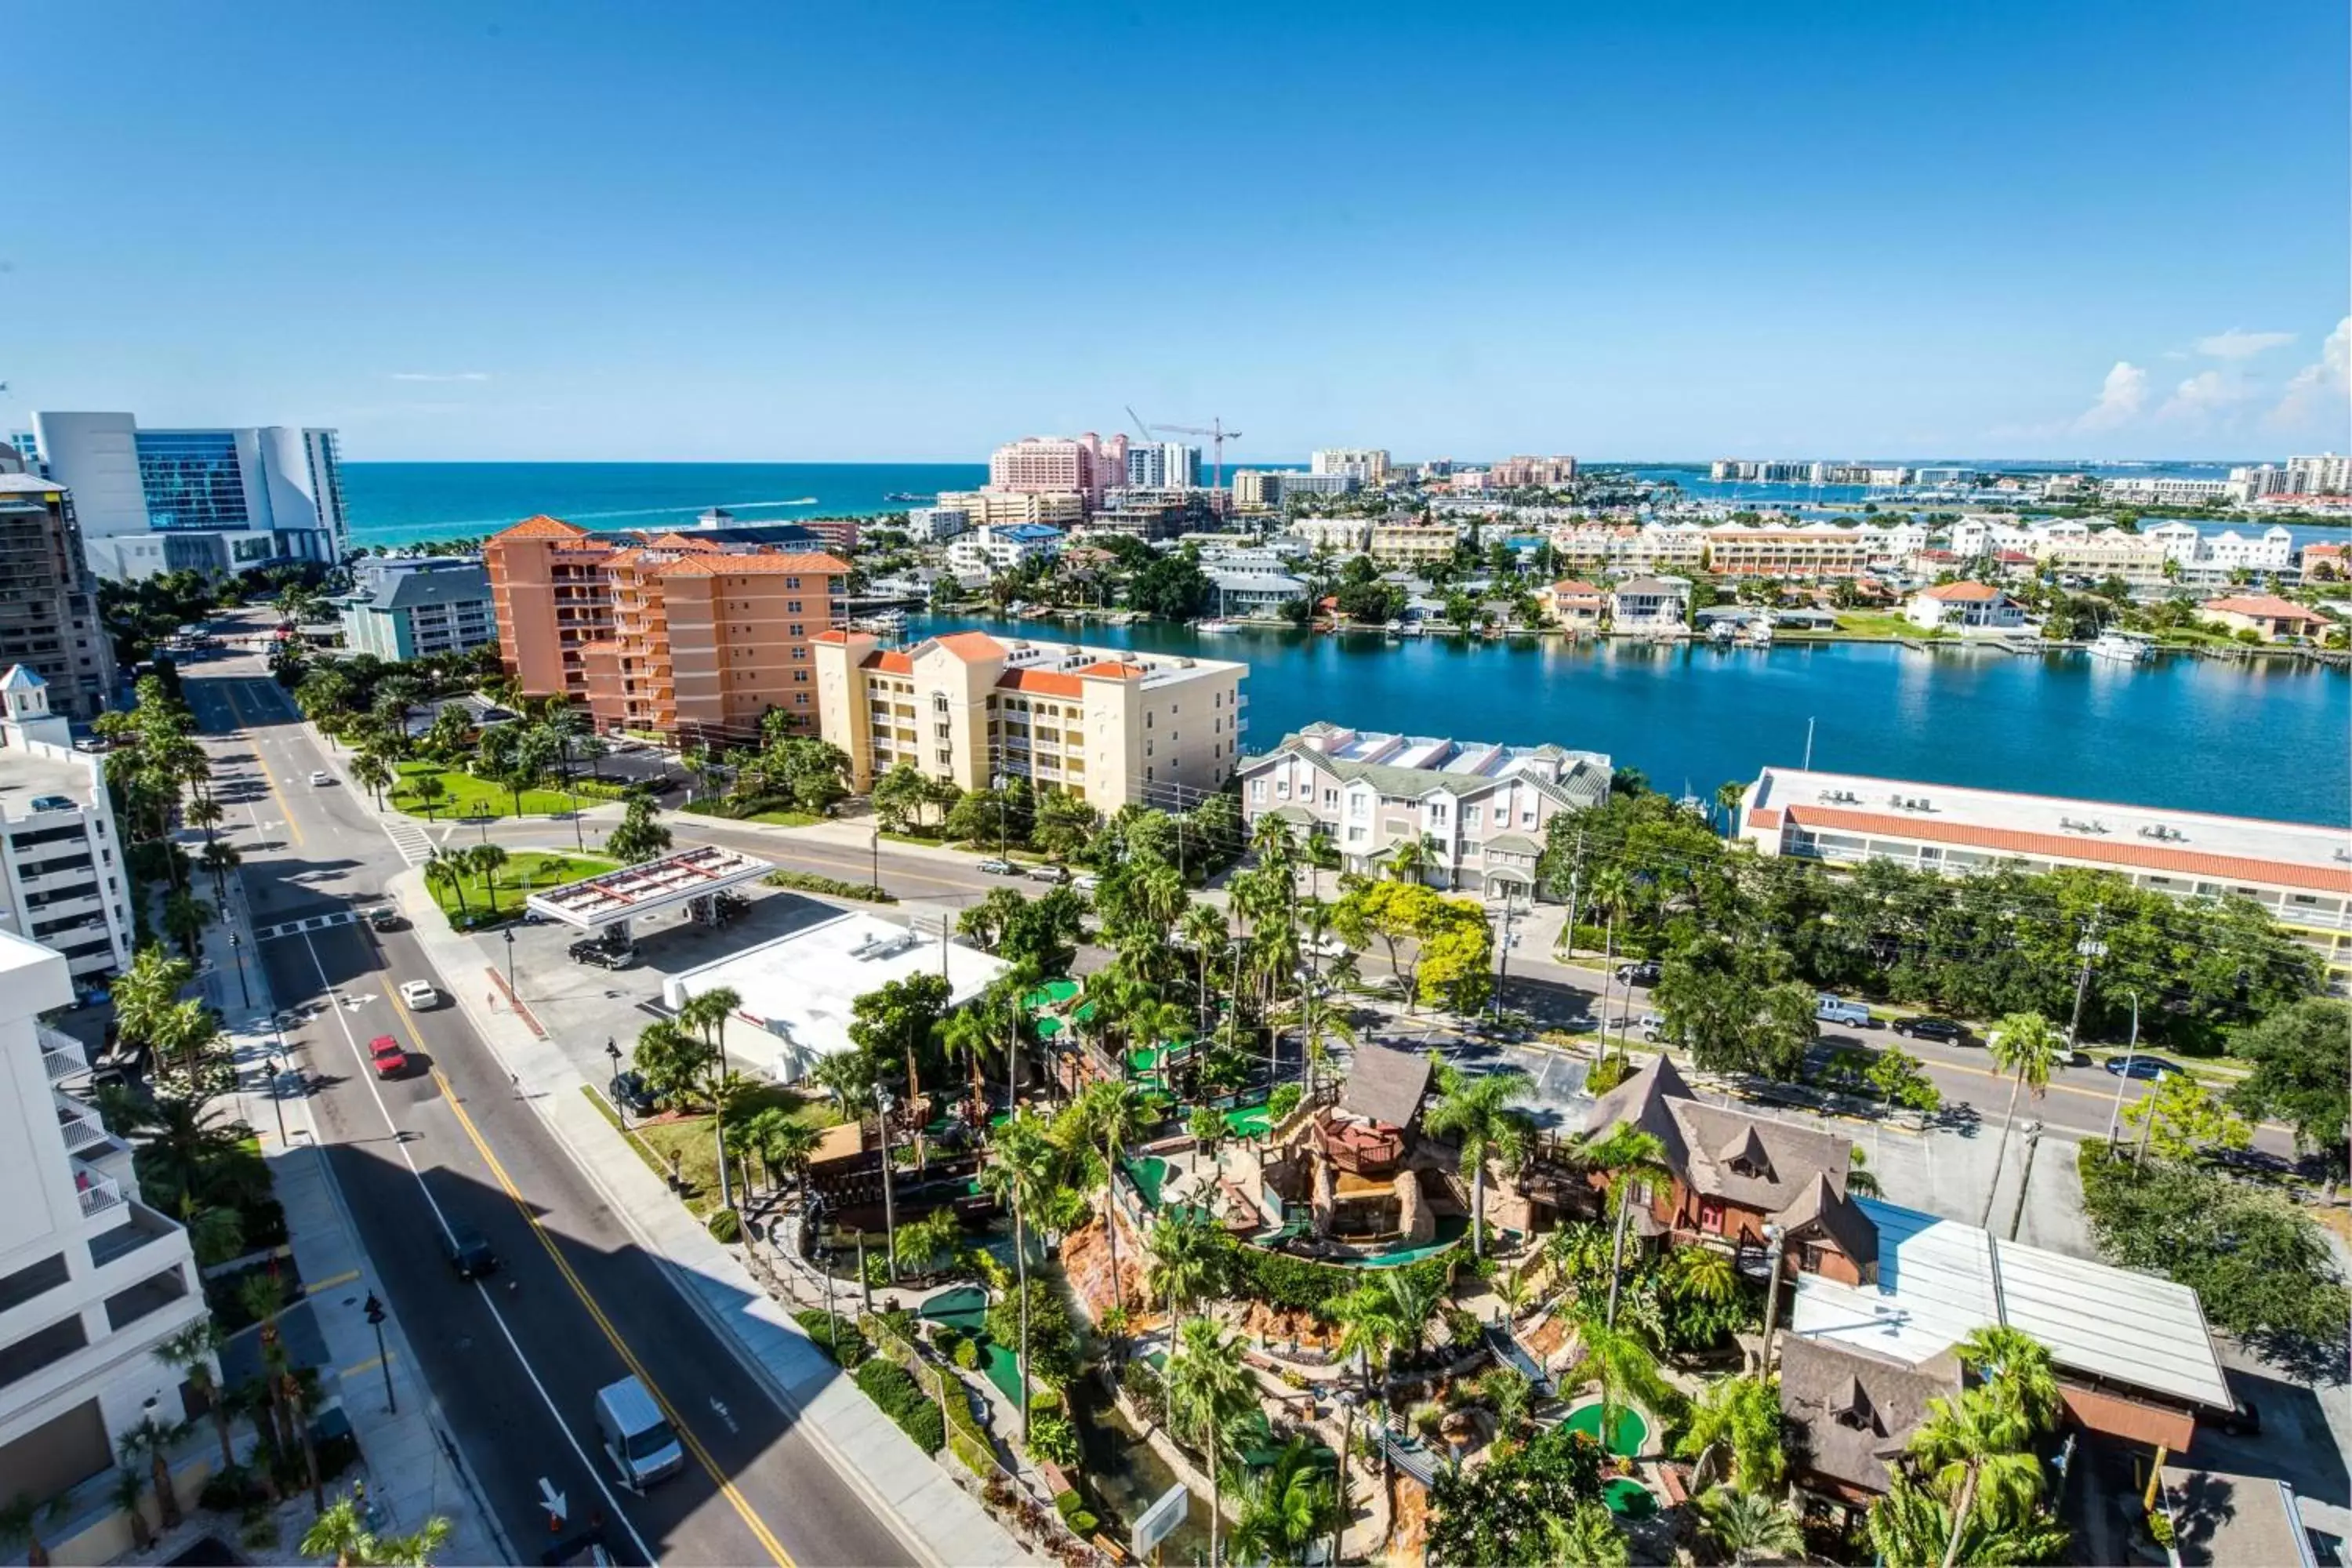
pixel 1962 593
pixel 675 541
pixel 834 635
pixel 971 645
pixel 1573 587
pixel 895 662
pixel 1118 669
pixel 755 564
pixel 2265 607
pixel 1764 816
pixel 543 527
pixel 1047 682
pixel 2141 857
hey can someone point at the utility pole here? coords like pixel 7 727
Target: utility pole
pixel 1575 888
pixel 2114 1114
pixel 1503 952
pixel 2092 949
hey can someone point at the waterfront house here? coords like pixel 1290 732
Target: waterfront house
pixel 1651 606
pixel 1485 807
pixel 1963 607
pixel 1413 543
pixel 987 551
pixel 1255 592
pixel 2268 617
pixel 1578 607
pixel 1735 1174
pixel 2324 563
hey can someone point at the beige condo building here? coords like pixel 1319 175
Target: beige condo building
pixel 1110 725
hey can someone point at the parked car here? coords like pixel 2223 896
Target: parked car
pixel 1924 1027
pixel 390 1060
pixel 320 776
pixel 1086 883
pixel 2140 1065
pixel 383 917
pixel 1838 1010
pixel 419 994
pixel 468 1251
pixel 628 1088
pixel 996 867
pixel 1644 972
pixel 588 950
pixel 1048 874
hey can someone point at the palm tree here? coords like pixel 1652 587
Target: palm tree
pixel 1478 1115
pixel 1587 1537
pixel 1205 931
pixel 1207 1388
pixel 2025 1046
pixel 1739 1419
pixel 1409 859
pixel 1207 1127
pixel 1728 796
pixel 1623 1365
pixel 342 1531
pixel 1412 1300
pixel 220 858
pixel 706 1013
pixel 966 1033
pixel 2018 1366
pixel 24 1519
pixel 1286 1506
pixel 1749 1526
pixel 1367 1327
pixel 1024 1169
pixel 1974 1447
pixel 184 919
pixel 373 774
pixel 129 1496
pixel 427 789
pixel 447 874
pixel 1911 1527
pixel 263 1296
pixel 484 859
pixel 1702 1274
pixel 1632 1159
pixel 1182 1262
pixel 1114 1117
pixel 190 1354
pixel 1319 854
pixel 150 1442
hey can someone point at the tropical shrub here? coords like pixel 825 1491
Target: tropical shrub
pixel 902 1399
pixel 853 1348
pixel 726 1226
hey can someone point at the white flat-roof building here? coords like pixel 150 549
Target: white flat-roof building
pixel 62 882
pixel 800 991
pixel 2300 872
pixel 2134 1355
pixel 91 1279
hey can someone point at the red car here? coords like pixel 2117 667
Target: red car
pixel 391 1061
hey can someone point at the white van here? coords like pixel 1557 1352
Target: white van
pixel 637 1439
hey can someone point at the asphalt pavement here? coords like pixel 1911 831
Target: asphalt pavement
pixel 515 1360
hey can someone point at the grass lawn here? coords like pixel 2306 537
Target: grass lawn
pixel 782 818
pixel 526 871
pixel 1875 624
pixel 689 1138
pixel 466 795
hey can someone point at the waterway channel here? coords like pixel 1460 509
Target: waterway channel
pixel 2258 737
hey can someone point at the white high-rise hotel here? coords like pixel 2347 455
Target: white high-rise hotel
pixel 211 501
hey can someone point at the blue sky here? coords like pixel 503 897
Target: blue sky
pixel 579 230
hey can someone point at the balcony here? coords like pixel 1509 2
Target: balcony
pixel 98 1193
pixel 83 1129
pixel 62 1056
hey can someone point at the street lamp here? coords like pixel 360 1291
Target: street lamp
pixel 236 956
pixel 882 1104
pixel 873 848
pixel 2114 1114
pixel 276 1103
pixel 375 1314
pixel 510 984
pixel 1348 1402
pixel 1779 1238
pixel 620 1102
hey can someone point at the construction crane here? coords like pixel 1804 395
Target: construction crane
pixel 1216 433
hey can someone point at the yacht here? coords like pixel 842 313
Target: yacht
pixel 1720 633
pixel 2124 647
pixel 1214 623
pixel 1760 633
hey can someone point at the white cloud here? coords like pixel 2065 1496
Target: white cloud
pixel 2238 343
pixel 2316 387
pixel 2205 394
pixel 2121 397
pixel 440 376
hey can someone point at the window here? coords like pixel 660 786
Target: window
pixel 799 630
pixel 1282 788
pixel 1469 817
pixel 792 606
pixel 1360 805
pixel 1257 791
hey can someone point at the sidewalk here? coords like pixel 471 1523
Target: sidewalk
pixel 408 1461
pixel 914 1497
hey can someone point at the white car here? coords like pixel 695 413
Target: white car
pixel 320 776
pixel 419 994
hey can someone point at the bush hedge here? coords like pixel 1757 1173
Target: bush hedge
pixel 1300 1285
pixel 726 1226
pixel 831 886
pixel 855 1347
pixel 902 1399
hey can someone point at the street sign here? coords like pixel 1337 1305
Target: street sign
pixel 1159 1522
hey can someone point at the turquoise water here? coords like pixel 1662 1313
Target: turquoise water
pixel 411 503
pixel 2248 738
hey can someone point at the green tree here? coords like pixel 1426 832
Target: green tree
pixel 899 796
pixel 2298 1075
pixel 1748 1527
pixel 371 773
pixel 1287 1506
pixel 1739 1419
pixel 1911 1527
pixel 2189 1119
pixel 150 1442
pixel 185 916
pixel 1585 1537
pixel 637 837
pixel 1624 1366
pixel 341 1532
pixel 1974 1447
pixel 706 1013
pixel 1022 1172
pixel 1207 1388
pixel 1480 1116
pixel 1184 1260
pixel 191 1352
pixel 1501 1512
pixel 2026 1048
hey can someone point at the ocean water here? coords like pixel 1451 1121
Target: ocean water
pixel 415 503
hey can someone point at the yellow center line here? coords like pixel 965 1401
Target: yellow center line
pixel 2107 1095
pixel 268 778
pixel 727 1487
pixel 330 1281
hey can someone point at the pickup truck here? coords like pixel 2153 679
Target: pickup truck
pixel 1838 1010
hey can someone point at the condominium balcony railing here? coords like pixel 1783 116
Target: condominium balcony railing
pixel 62 1056
pixel 98 1193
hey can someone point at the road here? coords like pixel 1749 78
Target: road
pixel 514 1362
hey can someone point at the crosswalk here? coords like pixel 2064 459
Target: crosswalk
pixel 415 845
pixel 309 923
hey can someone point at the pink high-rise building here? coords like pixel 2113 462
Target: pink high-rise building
pixel 1039 465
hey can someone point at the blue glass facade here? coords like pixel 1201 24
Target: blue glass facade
pixel 191 479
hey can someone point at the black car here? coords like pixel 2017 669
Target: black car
pixel 468 1252
pixel 384 918
pixel 2141 1065
pixel 588 950
pixel 1645 973
pixel 1927 1028
pixel 627 1089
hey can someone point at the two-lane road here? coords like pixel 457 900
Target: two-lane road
pixel 513 1361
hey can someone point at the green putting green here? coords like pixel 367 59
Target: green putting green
pixel 1629 1498
pixel 1048 1028
pixel 963 1307
pixel 1630 1433
pixel 1053 994
pixel 1001 1364
pixel 1248 1121
pixel 1149 1174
